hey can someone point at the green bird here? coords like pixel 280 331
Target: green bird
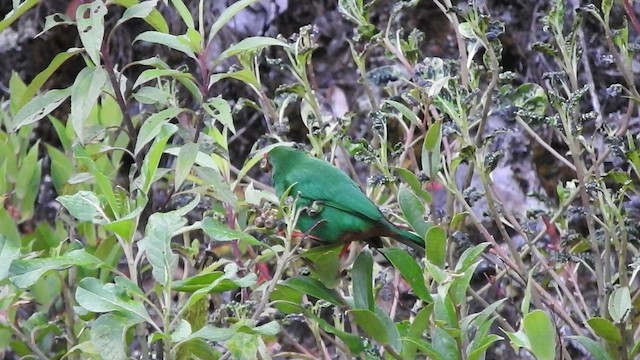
pixel 335 209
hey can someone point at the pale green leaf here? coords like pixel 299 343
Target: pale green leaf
pixel 83 205
pixel 9 251
pixel 90 22
pixel 97 297
pixel 184 163
pixel 153 125
pixel 39 107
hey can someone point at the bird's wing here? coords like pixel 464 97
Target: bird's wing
pixel 320 181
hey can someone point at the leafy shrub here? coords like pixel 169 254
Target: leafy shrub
pixel 117 273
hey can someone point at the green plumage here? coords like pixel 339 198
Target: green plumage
pixel 337 209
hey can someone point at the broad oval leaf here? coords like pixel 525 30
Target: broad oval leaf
pixel 91 28
pixel 314 288
pixel 598 352
pixel 108 335
pixel 171 41
pixel 436 245
pixel 248 44
pixel 153 125
pixel 605 329
pixel 410 271
pixel 83 205
pixel 159 231
pixel 541 333
pixel 221 232
pixel 39 107
pixel 620 304
pixel 97 297
pixel 186 159
pixel 85 92
pixel 25 272
pixel 362 281
pixel 413 210
pixel 9 251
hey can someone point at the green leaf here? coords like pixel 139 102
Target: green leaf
pixel 150 95
pixel 14 14
pixel 184 163
pixel 220 283
pixel 85 92
pixel 219 109
pixel 24 273
pixel 314 288
pixel 460 284
pixel 153 125
pixel 91 28
pixel 9 251
pixel 61 168
pixel 137 11
pixel 248 44
pixel 413 210
pixel 410 271
pixel 212 333
pixel 40 79
pixel 152 160
pixel 211 176
pixel 152 74
pixel 424 346
pixel 541 334
pixel 155 19
pixel 438 274
pixel 97 297
pixel 444 310
pixel 480 349
pixel 108 335
pixel 325 263
pixel 417 327
pixel 532 98
pixel 83 205
pixel 445 344
pixel 28 170
pixel 181 332
pixel 200 281
pixel 17 88
pixel 221 232
pixel 244 346
pixel 598 352
pixel 184 13
pixel 606 330
pixel 39 107
pixel 244 75
pixel 620 304
pixel 362 280
pixel 372 325
pixel 436 245
pixel 431 150
pixel 171 41
pixel 414 183
pixel 159 231
pixel 469 256
pixel 197 348
pixel 405 111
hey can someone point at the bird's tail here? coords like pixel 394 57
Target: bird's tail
pixel 408 238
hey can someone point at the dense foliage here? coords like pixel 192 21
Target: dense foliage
pixel 160 247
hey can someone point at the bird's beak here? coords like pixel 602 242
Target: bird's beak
pixel 264 164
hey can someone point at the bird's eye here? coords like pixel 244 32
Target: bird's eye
pixel 265 165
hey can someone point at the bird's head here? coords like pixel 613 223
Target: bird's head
pixel 265 165
pixel 279 156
